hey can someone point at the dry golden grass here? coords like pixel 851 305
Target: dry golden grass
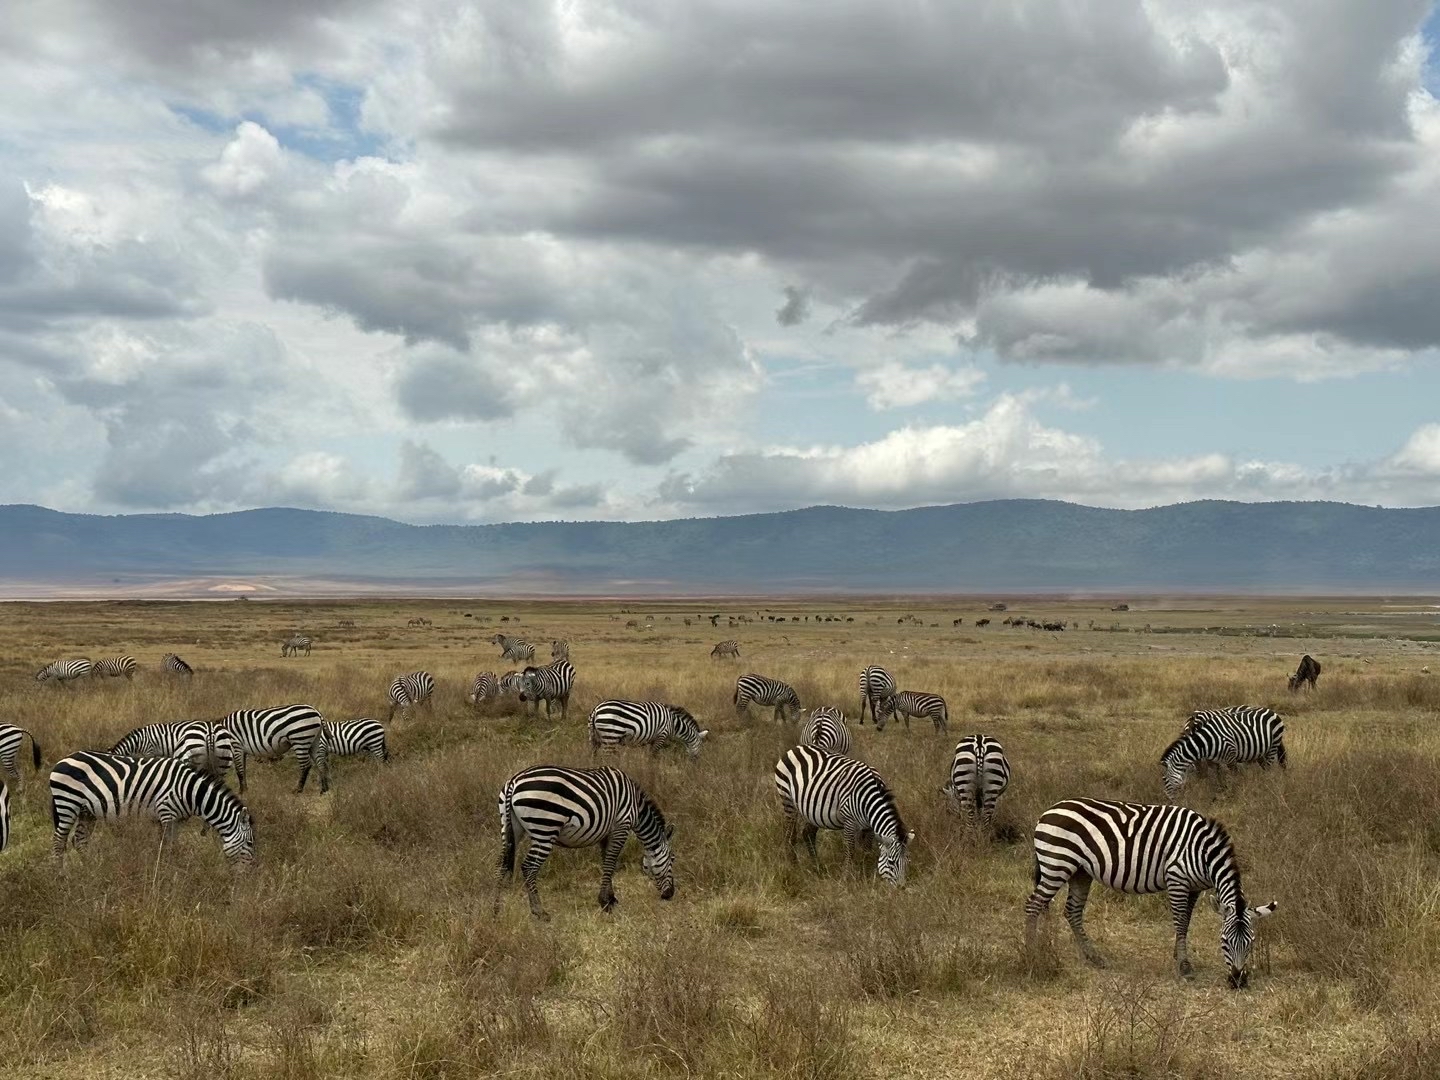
pixel 362 945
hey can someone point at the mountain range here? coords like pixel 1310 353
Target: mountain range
pixel 1005 545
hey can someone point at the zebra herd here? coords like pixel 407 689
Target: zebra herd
pixel 64 672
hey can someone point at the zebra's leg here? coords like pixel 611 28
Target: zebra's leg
pixel 808 833
pixel 942 719
pixel 610 849
pixel 530 872
pixel 1182 906
pixel 854 843
pixel 83 827
pixel 65 823
pixel 1075 915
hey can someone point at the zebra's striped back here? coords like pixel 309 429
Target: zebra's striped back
pixel 831 791
pixel 483 686
pixel 550 683
pixel 1230 736
pixel 271 733
pixel 410 690
pixel 201 744
pixel 63 671
pixel 644 723
pixel 910 703
pixel 114 667
pixel 350 738
pixel 979 775
pixel 175 665
pixel 766 691
pixel 876 684
pixel 560 650
pixel 826 730
pixel 729 647
pixel 88 786
pixel 11 738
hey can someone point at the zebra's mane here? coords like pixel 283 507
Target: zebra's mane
pixel 1183 737
pixel 649 812
pixel 1221 837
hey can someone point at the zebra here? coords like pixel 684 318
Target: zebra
pixel 1228 737
pixel 483 686
pixel 114 667
pixel 730 647
pixel 202 744
pixel 351 738
pixel 826 730
pixel 510 683
pixel 64 671
pixel 11 738
pixel 1139 848
pixel 876 684
pixel 88 785
pixel 644 723
pixel 270 733
pixel 548 684
pixel 1306 673
pixel 175 665
pixel 910 703
pixel 294 645
pixel 560 649
pixel 577 808
pixel 831 791
pixel 763 691
pixel 513 648
pixel 979 775
pixel 407 691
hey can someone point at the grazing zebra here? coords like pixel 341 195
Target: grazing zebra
pixel 10 739
pixel 726 648
pixel 271 733
pixel 560 649
pixel 1306 673
pixel 410 690
pixel 513 648
pixel 201 744
pixel 483 686
pixel 578 808
pixel 511 682
pixel 910 703
pixel 831 791
pixel 550 683
pixel 87 786
pixel 644 723
pixel 1227 737
pixel 293 646
pixel 64 671
pixel 1142 849
pixel 114 667
pixel 763 691
pixel 876 684
pixel 175 665
pixel 826 730
pixel 979 775
pixel 351 738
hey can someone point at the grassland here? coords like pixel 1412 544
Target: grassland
pixel 362 945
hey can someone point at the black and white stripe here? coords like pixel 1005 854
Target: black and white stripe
pixel 550 683
pixel 825 730
pixel 831 791
pixel 483 686
pixel 979 775
pixel 201 744
pixel 175 665
pixel 1140 848
pixel 64 671
pixel 87 786
pixel 362 737
pixel 408 691
pixel 908 703
pixel 511 682
pixel 654 724
pixel 728 648
pixel 1228 737
pixel 4 816
pixel 759 690
pixel 294 645
pixel 578 808
pixel 560 650
pixel 114 667
pixel 11 737
pixel 513 648
pixel 876 684
pixel 272 733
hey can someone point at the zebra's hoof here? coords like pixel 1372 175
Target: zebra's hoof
pixel 1095 960
pixel 1186 971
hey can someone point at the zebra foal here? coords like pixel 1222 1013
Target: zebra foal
pixel 979 775
pixel 1140 848
pixel 616 723
pixel 1227 737
pixel 580 808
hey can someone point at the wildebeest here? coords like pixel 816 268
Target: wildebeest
pixel 1307 672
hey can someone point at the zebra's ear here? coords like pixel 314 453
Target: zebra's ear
pixel 1265 909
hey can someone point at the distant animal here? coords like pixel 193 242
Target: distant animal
pixel 549 684
pixel 729 647
pixel 580 808
pixel 876 684
pixel 63 672
pixel 1228 737
pixel 483 686
pixel 820 790
pixel 654 724
pixel 765 691
pixel 560 650
pixel 293 646
pixel 825 730
pixel 908 703
pixel 979 775
pixel 956 622
pixel 408 691
pixel 175 666
pixel 350 623
pixel 1140 848
pixel 115 667
pixel 271 733
pixel 982 622
pixel 362 737
pixel 1307 672
pixel 11 738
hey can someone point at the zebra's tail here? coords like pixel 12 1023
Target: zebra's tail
pixel 1035 877
pixel 212 754
pixel 34 751
pixel 507 837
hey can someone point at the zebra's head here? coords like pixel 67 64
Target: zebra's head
pixel 687 730
pixel 893 854
pixel 239 846
pixel 885 712
pixel 659 863
pixel 43 674
pixel 1237 937
pixel 1177 760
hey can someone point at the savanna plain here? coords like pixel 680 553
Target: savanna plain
pixel 362 942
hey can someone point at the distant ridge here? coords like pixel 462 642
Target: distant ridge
pixel 1006 545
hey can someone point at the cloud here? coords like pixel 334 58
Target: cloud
pixel 249 162
pixel 441 386
pixel 898 386
pixel 796 308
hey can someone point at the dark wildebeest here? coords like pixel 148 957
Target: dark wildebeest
pixel 1307 672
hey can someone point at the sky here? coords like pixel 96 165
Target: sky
pixel 470 261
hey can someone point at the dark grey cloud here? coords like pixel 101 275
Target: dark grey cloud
pixel 424 474
pixel 441 386
pixel 796 308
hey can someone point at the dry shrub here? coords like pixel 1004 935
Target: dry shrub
pixel 800 1031
pixel 672 1002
